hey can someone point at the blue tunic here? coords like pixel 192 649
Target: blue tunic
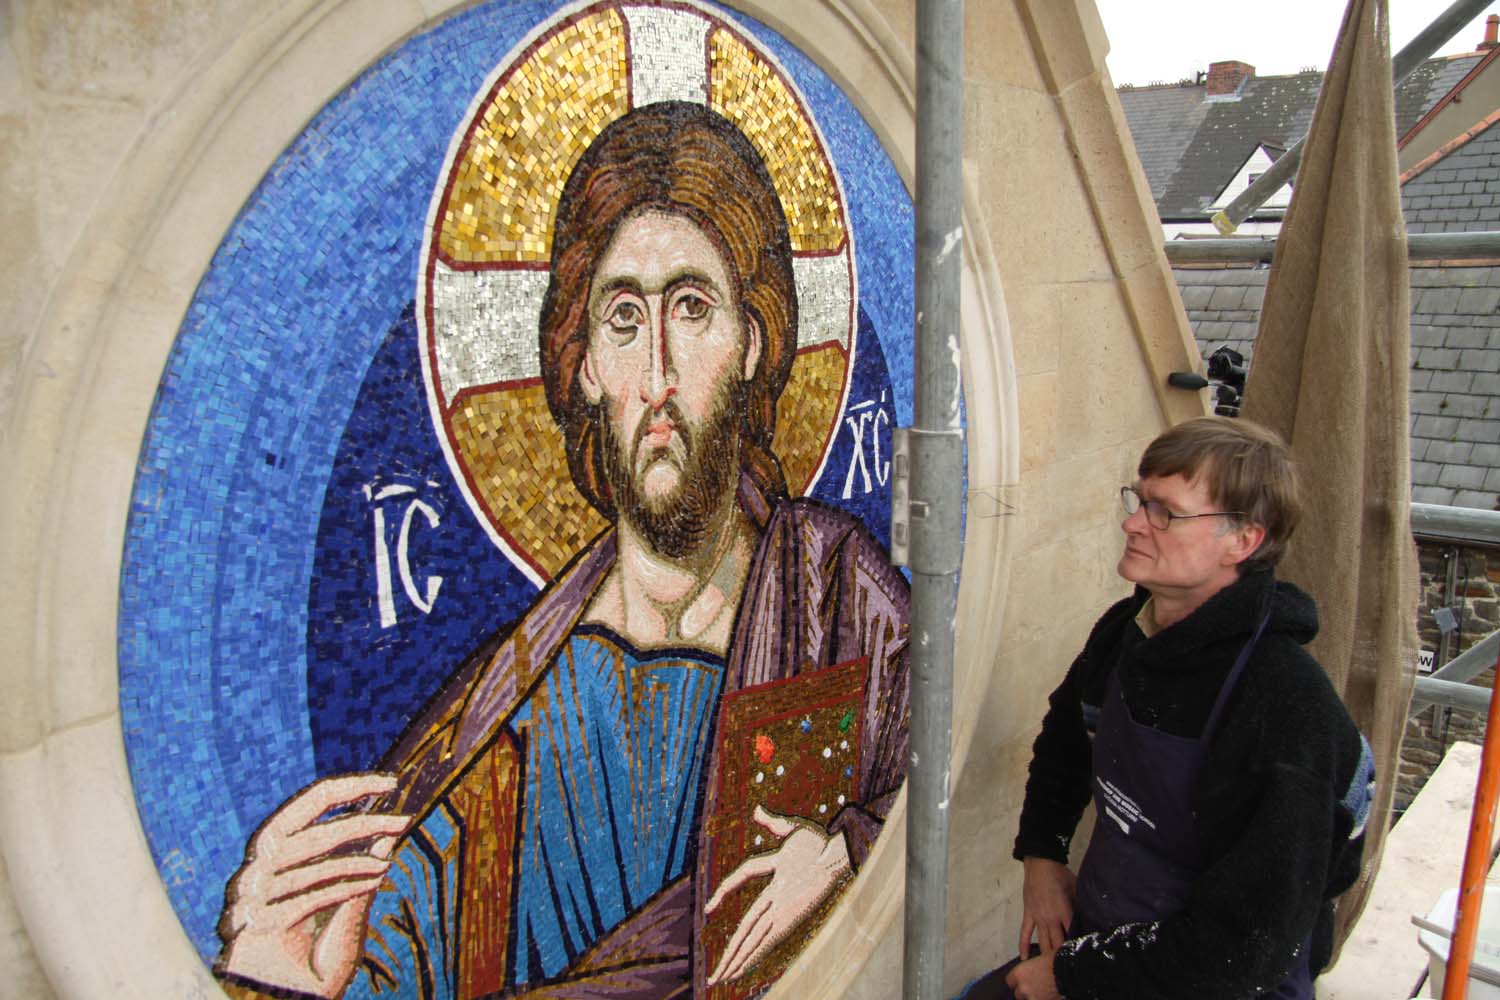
pixel 615 748
pixel 615 743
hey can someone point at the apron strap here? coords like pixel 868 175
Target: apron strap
pixel 1227 688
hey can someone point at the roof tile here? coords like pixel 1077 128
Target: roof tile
pixel 1478 429
pixel 1437 427
pixel 1196 297
pixel 1438 357
pixel 1449 381
pixel 1457 337
pixel 1449 452
pixel 1461 477
pixel 1487 455
pixel 1465 406
pixel 1431 494
pixel 1480 361
pixel 1436 300
pixel 1475 499
pixel 1478 301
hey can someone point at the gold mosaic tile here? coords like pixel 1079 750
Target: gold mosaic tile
pixel 750 92
pixel 535 127
pixel 807 411
pixel 514 455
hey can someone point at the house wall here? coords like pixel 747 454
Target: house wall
pixel 1475 599
pixel 1457 193
pixel 144 132
pixel 1453 118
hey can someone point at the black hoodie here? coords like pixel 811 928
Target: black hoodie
pixel 1280 831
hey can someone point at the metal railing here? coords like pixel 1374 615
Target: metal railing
pixel 1447 686
pixel 1260 249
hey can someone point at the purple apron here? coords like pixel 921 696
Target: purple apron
pixel 1145 855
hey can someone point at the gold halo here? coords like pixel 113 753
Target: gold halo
pixel 489 238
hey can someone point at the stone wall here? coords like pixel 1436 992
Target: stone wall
pixel 1476 601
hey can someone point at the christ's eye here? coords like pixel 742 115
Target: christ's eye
pixel 691 305
pixel 625 317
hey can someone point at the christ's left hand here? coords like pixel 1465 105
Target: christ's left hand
pixel 804 869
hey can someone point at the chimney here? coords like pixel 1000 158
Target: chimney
pixel 1224 78
pixel 1491 33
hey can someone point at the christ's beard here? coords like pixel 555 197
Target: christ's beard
pixel 676 523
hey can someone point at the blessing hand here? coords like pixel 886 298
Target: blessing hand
pixel 294 913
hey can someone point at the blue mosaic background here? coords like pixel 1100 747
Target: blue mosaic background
pixel 252 660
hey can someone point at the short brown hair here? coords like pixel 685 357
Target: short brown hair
pixel 1247 468
pixel 690 161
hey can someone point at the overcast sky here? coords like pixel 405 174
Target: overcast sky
pixel 1163 41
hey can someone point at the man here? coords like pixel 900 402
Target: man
pixel 1231 787
pixel 583 809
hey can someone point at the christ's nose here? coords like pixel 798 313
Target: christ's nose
pixel 660 384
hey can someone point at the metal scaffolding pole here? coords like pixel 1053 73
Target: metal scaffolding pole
pixel 1251 249
pixel 1417 51
pixel 936 487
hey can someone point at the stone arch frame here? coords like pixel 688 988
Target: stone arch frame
pixel 90 895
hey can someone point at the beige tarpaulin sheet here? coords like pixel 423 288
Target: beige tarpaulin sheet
pixel 1330 374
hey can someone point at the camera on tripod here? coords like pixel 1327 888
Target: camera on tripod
pixel 1226 366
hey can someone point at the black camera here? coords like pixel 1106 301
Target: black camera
pixel 1227 367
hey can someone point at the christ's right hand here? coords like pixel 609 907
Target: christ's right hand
pixel 294 913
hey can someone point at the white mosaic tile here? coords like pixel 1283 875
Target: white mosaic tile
pixel 824 294
pixel 485 326
pixel 668 55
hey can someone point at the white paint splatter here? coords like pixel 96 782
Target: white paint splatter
pixel 950 241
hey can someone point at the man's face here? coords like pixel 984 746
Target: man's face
pixel 666 356
pixel 1188 560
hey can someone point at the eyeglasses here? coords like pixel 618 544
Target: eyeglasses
pixel 1157 514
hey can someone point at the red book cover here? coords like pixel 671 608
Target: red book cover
pixel 792 747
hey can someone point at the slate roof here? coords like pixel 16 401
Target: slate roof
pixel 1191 145
pixel 1455 373
pixel 1163 120
pixel 1455 306
pixel 1460 191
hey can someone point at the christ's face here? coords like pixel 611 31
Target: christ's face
pixel 668 351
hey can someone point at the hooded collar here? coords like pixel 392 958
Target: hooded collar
pixel 1232 614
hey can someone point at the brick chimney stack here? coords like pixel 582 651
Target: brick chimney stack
pixel 1491 33
pixel 1225 77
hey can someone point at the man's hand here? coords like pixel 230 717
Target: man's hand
pixel 804 870
pixel 1047 896
pixel 294 913
pixel 1033 979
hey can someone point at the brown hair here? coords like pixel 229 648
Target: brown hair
pixel 1247 468
pixel 685 159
